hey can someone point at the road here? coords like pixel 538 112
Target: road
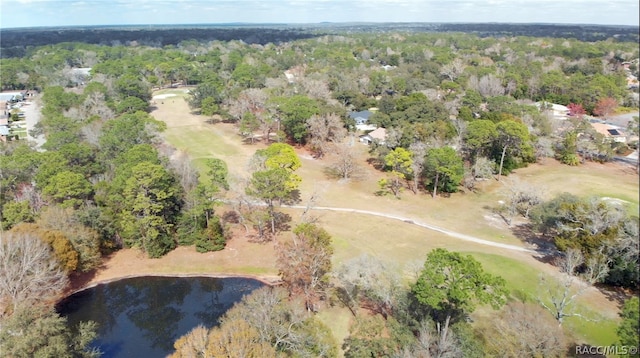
pixel 32 117
pixel 621 120
pixel 426 226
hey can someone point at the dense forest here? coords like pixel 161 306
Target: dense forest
pixel 456 108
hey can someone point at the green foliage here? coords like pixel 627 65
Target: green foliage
pixel 568 152
pixel 374 336
pixel 68 188
pixel 209 89
pixel 295 112
pixel 130 85
pixel 218 172
pixel 131 105
pixel 212 239
pixel 43 333
pixel 209 107
pixel 120 134
pixel 149 210
pixel 629 329
pixel 453 284
pixel 479 138
pixel 445 169
pixel 280 155
pixel 15 212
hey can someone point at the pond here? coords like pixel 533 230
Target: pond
pixel 143 316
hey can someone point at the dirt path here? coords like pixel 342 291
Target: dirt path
pixel 426 226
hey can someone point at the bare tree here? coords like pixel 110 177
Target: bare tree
pixel 366 280
pixel 522 330
pixel 558 296
pixel 251 104
pixel 346 164
pixel 488 85
pixel 325 130
pixel 30 272
pixel 521 197
pixel 430 344
pixel 419 151
pixel 483 168
pixel 454 69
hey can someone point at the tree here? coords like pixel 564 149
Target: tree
pixel 445 169
pixel 419 152
pixel 323 130
pixel 366 279
pixel 132 105
pixel 60 245
pixel 522 330
pixel 295 111
pixel 31 274
pixel 275 180
pixel 235 338
pixel 36 332
pixel 272 186
pixel 400 162
pixel 209 89
pixel 558 296
pixel 251 108
pixel 512 138
pixel 283 324
pixel 346 164
pixel 305 262
pixel 85 241
pixel 452 285
pixel 576 110
pixel 150 207
pixel 629 329
pixel 68 188
pixel 521 197
pixel 605 107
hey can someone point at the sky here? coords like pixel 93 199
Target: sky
pixel 34 13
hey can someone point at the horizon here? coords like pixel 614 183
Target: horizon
pixel 17 14
pixel 310 24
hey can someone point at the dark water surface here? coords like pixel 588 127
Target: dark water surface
pixel 143 316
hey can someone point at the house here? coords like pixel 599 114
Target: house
pixel 558 111
pixel 11 97
pixel 361 117
pixel 378 135
pixel 4 128
pixel 610 132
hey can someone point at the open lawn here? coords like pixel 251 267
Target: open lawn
pixel 394 241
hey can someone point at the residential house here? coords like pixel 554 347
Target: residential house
pixel 4 128
pixel 558 111
pixel 362 120
pixel 378 135
pixel 611 133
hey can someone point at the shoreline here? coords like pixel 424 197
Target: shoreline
pixel 267 280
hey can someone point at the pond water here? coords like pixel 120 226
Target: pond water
pixel 143 316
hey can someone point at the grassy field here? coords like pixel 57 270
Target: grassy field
pixel 402 243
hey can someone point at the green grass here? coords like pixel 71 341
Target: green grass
pixel 521 279
pixel 597 331
pixel 337 319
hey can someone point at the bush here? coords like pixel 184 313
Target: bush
pixel 212 238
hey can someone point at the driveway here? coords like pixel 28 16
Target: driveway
pixel 31 111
